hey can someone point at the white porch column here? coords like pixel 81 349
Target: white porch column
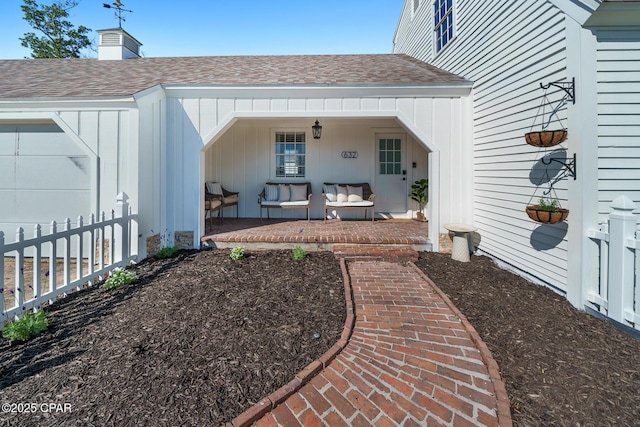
pixel 583 140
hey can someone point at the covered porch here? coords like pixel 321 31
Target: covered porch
pixel 403 123
pixel 316 234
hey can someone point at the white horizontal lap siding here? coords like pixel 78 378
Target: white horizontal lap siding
pixel 507 49
pixel 407 39
pixel 618 68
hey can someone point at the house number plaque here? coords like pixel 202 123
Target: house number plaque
pixel 349 154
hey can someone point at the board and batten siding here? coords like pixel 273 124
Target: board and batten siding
pixel 243 158
pixel 618 74
pixel 507 49
pixel 110 138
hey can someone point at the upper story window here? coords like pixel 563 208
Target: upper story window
pixel 415 4
pixel 290 154
pixel 443 23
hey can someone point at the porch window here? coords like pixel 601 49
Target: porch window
pixel 390 156
pixel 443 23
pixel 290 154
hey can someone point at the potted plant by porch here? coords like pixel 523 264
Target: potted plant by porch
pixel 419 194
pixel 547 211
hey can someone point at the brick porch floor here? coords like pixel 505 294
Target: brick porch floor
pixel 316 234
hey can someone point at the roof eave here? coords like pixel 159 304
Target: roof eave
pixel 460 89
pixel 67 102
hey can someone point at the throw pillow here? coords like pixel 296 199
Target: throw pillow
pixel 354 194
pixel 285 193
pixel 342 194
pixel 330 192
pixel 271 192
pixel 214 188
pixel 298 192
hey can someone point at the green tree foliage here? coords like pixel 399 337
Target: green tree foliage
pixel 60 38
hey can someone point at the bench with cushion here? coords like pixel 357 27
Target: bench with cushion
pixel 341 196
pixel 289 195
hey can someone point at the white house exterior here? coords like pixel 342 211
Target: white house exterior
pixel 159 128
pixel 507 49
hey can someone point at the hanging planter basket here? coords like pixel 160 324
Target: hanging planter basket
pixel 546 216
pixel 546 138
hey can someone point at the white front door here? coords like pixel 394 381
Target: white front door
pixel 391 177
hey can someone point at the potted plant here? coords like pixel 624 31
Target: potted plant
pixel 547 211
pixel 419 194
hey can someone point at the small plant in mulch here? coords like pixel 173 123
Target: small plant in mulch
pixel 31 325
pixel 167 252
pixel 299 254
pixel 237 253
pixel 118 278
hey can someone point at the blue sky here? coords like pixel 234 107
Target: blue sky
pixel 229 27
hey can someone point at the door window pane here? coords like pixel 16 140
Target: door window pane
pixel 390 156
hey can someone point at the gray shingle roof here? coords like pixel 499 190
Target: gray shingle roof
pixel 91 78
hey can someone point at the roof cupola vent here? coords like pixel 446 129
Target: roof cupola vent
pixel 116 43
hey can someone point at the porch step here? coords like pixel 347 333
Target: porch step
pixel 393 253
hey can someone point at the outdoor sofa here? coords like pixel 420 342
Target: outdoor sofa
pixel 285 195
pixel 348 196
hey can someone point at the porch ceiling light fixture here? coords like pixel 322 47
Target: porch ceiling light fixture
pixel 317 130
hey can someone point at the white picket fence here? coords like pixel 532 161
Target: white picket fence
pixel 617 293
pixel 90 250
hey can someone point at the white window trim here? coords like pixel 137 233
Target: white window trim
pixel 272 170
pixel 454 12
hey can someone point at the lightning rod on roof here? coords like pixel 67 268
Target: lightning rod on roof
pixel 118 6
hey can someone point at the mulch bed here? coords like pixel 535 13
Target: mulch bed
pixel 198 339
pixel 561 366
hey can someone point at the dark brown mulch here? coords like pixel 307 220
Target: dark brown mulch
pixel 196 341
pixel 200 338
pixel 561 366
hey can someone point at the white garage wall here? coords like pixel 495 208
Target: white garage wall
pixel 44 176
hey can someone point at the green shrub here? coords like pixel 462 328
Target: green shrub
pixel 167 252
pixel 119 277
pixel 299 253
pixel 237 253
pixel 30 325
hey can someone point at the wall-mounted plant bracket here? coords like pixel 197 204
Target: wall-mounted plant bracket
pixel 568 87
pixel 569 166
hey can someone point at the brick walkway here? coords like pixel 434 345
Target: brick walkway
pixel 411 358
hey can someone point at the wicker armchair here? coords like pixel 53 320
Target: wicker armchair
pixel 215 191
